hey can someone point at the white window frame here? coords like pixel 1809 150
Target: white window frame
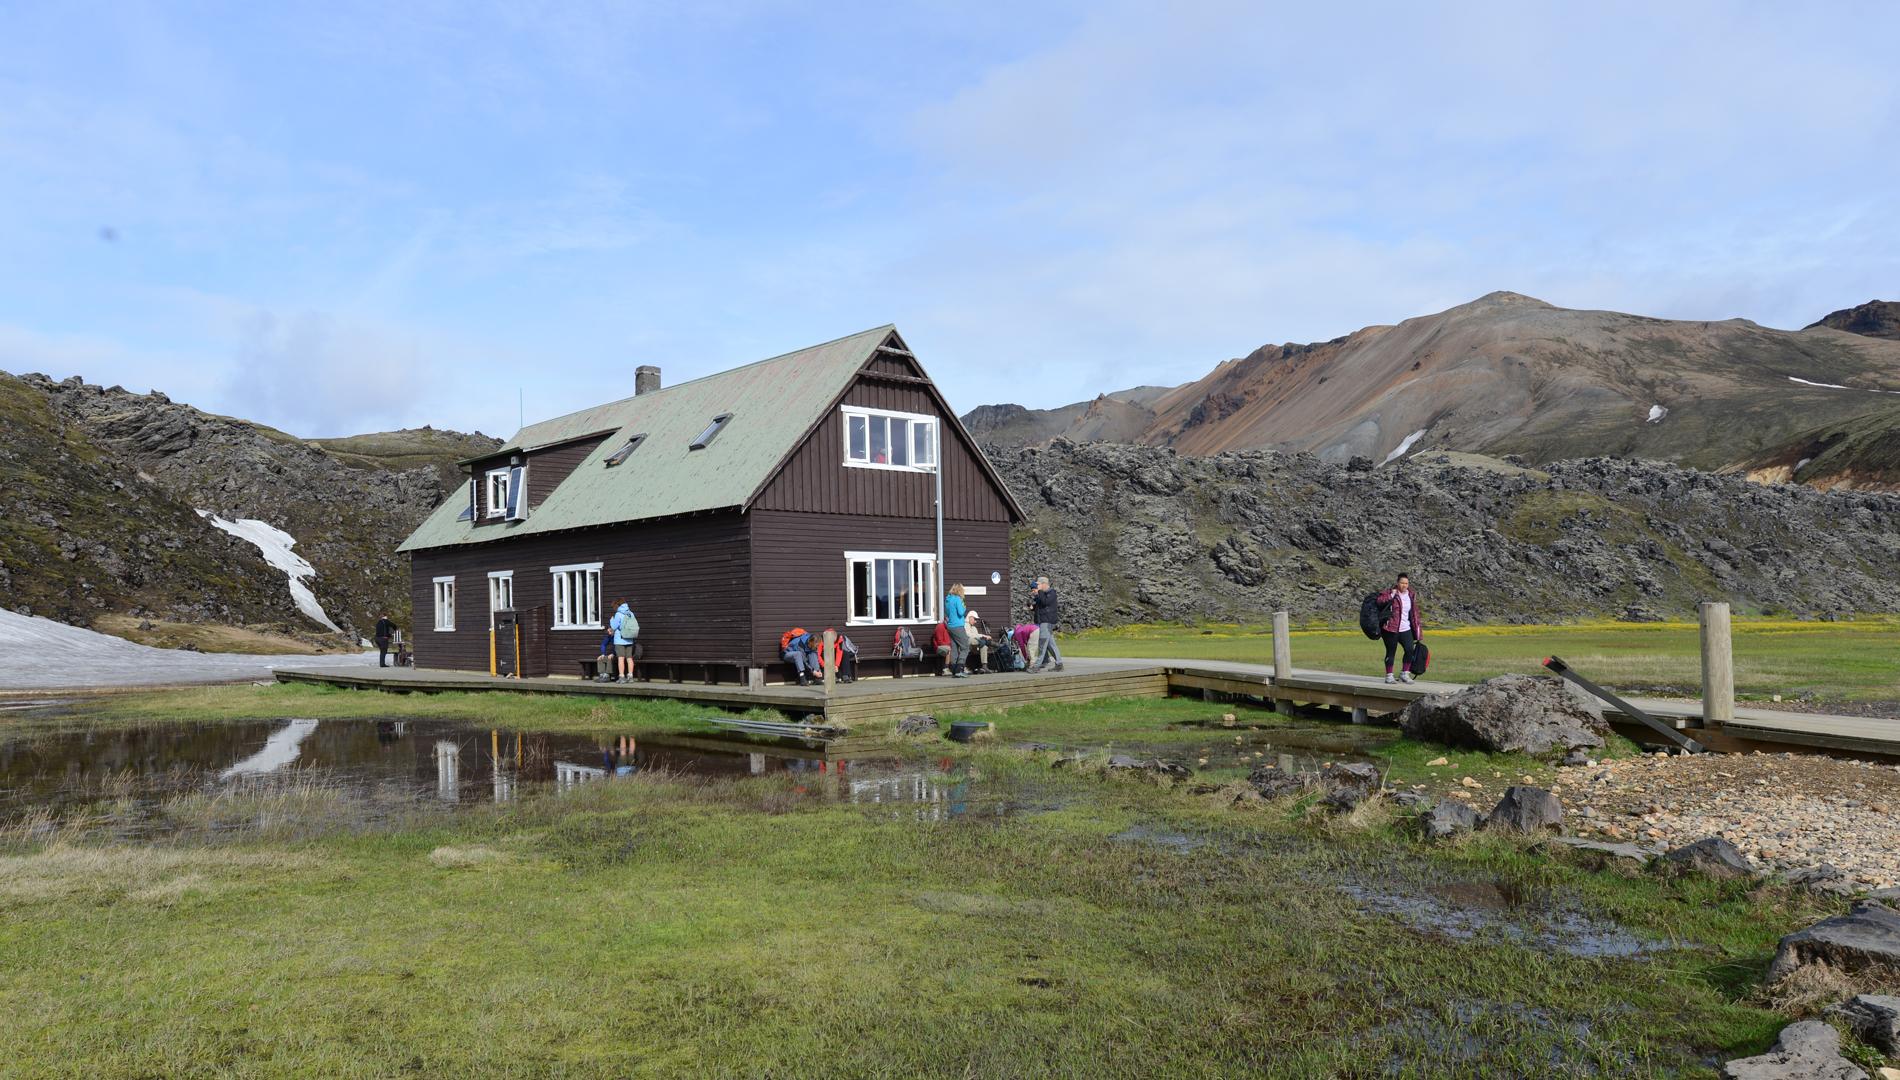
pixel 497 507
pixel 495 588
pixel 924 584
pixel 564 598
pixel 445 604
pixel 849 412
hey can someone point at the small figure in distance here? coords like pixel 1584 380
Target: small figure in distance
pixel 1045 611
pixel 1402 627
pixel 385 630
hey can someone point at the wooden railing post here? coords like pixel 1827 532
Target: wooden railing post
pixel 830 659
pixel 1282 656
pixel 1718 665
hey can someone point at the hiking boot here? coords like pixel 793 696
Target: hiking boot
pixel 1389 679
pixel 1058 665
pixel 1406 677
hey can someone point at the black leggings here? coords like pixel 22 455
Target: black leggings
pixel 1404 639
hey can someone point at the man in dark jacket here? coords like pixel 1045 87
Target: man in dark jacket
pixel 1045 612
pixel 385 630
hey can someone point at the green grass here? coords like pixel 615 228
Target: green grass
pixel 1858 660
pixel 675 927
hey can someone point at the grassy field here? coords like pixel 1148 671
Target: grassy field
pixel 1858 660
pixel 669 926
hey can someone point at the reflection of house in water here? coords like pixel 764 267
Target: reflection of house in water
pixel 567 774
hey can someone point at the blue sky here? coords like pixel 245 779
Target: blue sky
pixel 349 217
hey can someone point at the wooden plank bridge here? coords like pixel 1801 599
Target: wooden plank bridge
pixel 869 702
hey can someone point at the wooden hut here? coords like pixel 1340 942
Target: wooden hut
pixel 796 491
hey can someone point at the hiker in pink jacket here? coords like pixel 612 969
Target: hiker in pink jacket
pixel 1402 626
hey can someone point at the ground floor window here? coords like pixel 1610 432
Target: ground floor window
pixel 577 596
pixel 891 587
pixel 501 593
pixel 445 603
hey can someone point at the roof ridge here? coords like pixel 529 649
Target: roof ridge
pixel 515 439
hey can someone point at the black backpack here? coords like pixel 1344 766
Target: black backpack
pixel 1372 615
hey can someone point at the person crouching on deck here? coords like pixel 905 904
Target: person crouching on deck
pixel 1402 627
pixel 795 648
pixel 954 615
pixel 604 663
pixel 626 630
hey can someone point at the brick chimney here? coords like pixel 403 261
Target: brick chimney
pixel 646 379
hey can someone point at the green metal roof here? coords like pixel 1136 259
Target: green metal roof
pixel 773 403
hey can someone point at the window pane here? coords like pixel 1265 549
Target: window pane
pixel 880 440
pixel 860 590
pixel 857 448
pixel 593 591
pixel 900 442
pixel 900 577
pixel 922 450
pixel 883 588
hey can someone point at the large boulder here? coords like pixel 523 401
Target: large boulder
pixel 1874 1019
pixel 1526 810
pixel 1809 1050
pixel 1526 714
pixel 1711 855
pixel 1865 940
pixel 1342 786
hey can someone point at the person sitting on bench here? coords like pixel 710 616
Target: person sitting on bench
pixel 795 648
pixel 940 644
pixel 604 663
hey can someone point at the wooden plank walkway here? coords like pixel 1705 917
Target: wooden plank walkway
pixel 1093 678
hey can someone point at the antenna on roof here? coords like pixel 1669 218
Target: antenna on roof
pixel 521 408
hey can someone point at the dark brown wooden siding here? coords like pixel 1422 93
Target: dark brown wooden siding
pixel 816 480
pixel 547 468
pixel 688 580
pixel 887 364
pixel 799 578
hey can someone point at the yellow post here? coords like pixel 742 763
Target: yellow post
pixel 491 650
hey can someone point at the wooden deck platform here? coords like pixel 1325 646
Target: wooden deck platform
pixel 1089 679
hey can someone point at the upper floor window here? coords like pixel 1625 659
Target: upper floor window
pixel 497 492
pixel 881 439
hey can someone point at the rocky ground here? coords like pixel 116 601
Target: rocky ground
pixel 1135 533
pixel 1785 812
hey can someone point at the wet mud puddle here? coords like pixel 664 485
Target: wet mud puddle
pixel 129 774
pixel 1470 910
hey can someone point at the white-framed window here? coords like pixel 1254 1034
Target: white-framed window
pixel 445 603
pixel 576 596
pixel 888 587
pixel 881 439
pixel 497 492
pixel 501 593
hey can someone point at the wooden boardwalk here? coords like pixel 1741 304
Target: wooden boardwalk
pixel 1091 678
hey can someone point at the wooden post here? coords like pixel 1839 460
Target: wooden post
pixel 1282 656
pixel 1718 665
pixel 829 658
pixel 755 678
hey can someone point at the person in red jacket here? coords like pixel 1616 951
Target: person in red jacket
pixel 940 643
pixel 1402 627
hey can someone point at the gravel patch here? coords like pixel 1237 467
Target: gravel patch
pixel 1785 812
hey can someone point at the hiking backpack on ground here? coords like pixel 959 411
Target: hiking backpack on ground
pixel 1372 615
pixel 1004 657
pixel 904 645
pixel 1421 658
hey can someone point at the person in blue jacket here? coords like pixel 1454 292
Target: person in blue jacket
pixel 626 630
pixel 955 618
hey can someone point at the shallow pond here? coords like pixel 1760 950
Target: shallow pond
pixel 385 764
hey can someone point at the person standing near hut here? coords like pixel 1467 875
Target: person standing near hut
pixel 626 630
pixel 1046 612
pixel 385 631
pixel 954 615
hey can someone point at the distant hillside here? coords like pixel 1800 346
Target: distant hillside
pixel 1507 374
pixel 108 487
pixel 1141 534
pixel 1875 318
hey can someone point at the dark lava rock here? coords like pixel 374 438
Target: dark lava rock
pixel 1874 1019
pixel 1526 810
pixel 1809 1050
pixel 1343 786
pixel 917 724
pixel 1825 878
pixel 1605 851
pixel 1508 714
pixel 1449 818
pixel 1711 855
pixel 1866 939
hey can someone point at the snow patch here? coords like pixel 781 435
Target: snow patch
pixel 40 654
pixel 275 544
pixel 1802 464
pixel 1656 413
pixel 279 750
pixel 1404 446
pixel 1838 386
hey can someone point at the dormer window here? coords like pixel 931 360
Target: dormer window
pixel 881 439
pixel 706 437
pixel 497 488
pixel 626 451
